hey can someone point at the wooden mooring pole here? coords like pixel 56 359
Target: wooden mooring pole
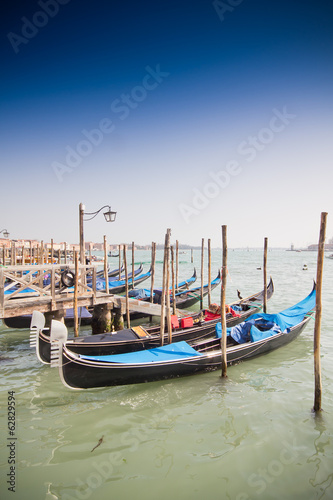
pixel 76 281
pixel 52 251
pixel 223 314
pixel 119 262
pixel 126 289
pixel 132 264
pixel 265 274
pixel 164 291
pixel 106 272
pixel 168 308
pixel 202 271
pixel 153 259
pixel 209 273
pixel 177 264
pixel 173 281
pixel 317 328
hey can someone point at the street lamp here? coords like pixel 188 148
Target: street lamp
pixel 109 215
pixel 5 233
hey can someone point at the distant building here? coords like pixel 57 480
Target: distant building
pixel 327 246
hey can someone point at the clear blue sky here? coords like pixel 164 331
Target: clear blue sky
pixel 178 114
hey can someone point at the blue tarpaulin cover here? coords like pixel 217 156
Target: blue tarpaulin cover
pixel 82 313
pixel 260 326
pixel 139 293
pixel 170 352
pixel 100 284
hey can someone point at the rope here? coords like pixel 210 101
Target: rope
pixel 258 306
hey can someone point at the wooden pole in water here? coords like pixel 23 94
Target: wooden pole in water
pixel 41 273
pixel 162 327
pixel 126 288
pixel 202 271
pixel 192 255
pixel 106 273
pixel 168 309
pixel 153 259
pixel 173 281
pixel 82 247
pixel 76 286
pixel 119 262
pixel 13 254
pixel 317 328
pixel 132 264
pixel 223 315
pixel 265 275
pixel 177 261
pixel 209 274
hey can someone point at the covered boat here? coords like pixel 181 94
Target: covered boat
pixel 24 321
pixel 184 298
pixel 266 333
pixel 118 286
pixel 144 293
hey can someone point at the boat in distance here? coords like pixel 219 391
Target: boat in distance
pixel 262 333
pixel 194 327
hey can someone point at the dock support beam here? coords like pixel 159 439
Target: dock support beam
pixel 102 319
pixel 59 315
pixel 118 320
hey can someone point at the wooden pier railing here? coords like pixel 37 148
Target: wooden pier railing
pixel 25 284
pixel 25 288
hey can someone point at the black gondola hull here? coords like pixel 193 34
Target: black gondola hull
pixel 83 374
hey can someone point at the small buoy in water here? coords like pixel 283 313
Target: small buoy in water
pixel 305 267
pixel 259 268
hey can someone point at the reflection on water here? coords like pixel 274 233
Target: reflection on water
pixel 250 436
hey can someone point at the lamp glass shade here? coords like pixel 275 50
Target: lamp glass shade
pixel 110 216
pixel 6 234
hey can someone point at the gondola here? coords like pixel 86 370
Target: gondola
pixel 111 274
pixel 266 332
pixel 114 275
pixel 194 327
pixel 144 293
pixel 24 321
pixel 184 298
pixel 118 286
pixel 188 298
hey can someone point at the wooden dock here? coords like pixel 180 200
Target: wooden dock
pixel 25 288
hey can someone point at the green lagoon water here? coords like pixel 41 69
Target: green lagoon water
pixel 250 436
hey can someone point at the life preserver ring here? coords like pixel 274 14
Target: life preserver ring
pixel 67 278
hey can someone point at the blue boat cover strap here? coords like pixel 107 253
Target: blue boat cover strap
pixel 170 352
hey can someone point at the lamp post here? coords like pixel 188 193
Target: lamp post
pixel 5 232
pixel 109 216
